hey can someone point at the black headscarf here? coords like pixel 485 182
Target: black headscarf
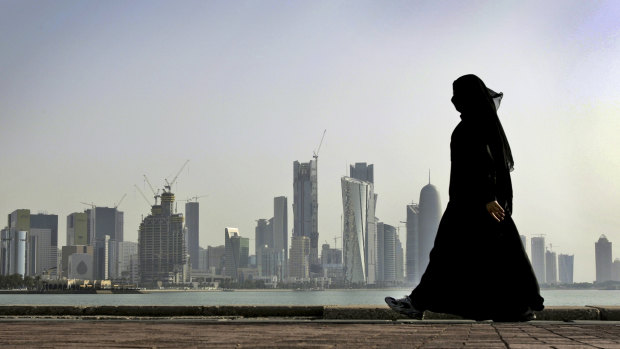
pixel 478 104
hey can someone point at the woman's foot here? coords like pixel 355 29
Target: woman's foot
pixel 405 307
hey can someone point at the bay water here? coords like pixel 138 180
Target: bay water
pixel 280 297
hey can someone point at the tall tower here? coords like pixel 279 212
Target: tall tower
pixel 305 205
pixel 280 233
pixel 359 246
pixel 538 258
pixel 389 254
pixel 551 267
pixel 237 251
pixel 362 171
pixel 565 267
pixel 603 259
pixel 413 243
pixel 77 229
pixel 192 223
pixel 161 248
pixel 430 214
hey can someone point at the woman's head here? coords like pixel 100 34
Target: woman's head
pixel 470 95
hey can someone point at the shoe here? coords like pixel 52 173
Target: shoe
pixel 405 307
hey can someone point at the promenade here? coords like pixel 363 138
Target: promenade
pixel 304 327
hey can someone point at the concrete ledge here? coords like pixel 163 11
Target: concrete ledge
pixel 328 312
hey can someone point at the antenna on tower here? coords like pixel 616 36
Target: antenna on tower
pixel 429 176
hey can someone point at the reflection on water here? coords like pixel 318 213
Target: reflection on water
pixel 327 297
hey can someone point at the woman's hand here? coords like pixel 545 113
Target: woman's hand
pixel 496 210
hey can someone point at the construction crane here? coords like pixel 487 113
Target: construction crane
pixel 155 193
pixel 169 184
pixel 336 241
pixel 88 204
pixel 119 201
pixel 144 196
pixel 315 154
pixel 194 198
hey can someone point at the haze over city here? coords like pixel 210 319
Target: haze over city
pixel 95 95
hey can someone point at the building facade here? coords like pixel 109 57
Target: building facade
pixel 538 258
pixel 306 206
pixel 430 214
pixel 359 246
pixel 192 224
pixel 161 247
pixel 565 268
pixel 551 269
pixel 77 229
pixel 299 260
pixel 237 252
pixel 413 244
pixel 603 257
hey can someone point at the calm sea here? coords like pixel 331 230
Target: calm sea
pixel 327 297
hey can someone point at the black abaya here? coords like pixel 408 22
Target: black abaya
pixel 478 267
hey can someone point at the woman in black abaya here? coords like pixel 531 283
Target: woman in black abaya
pixel 478 267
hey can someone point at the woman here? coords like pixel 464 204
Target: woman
pixel 478 267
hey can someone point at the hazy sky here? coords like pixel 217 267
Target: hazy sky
pixel 95 94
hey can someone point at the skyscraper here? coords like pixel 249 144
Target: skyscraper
pixel 603 259
pixel 389 254
pixel 280 233
pixel 263 239
pixel 43 241
pixel 413 244
pixel 380 250
pixel 400 262
pixel 192 223
pixel 430 214
pixel 299 264
pixel 565 268
pixel 538 257
pixel 359 231
pixel 305 205
pixel 615 270
pixel 551 269
pixel 77 229
pixel 161 249
pixel 237 252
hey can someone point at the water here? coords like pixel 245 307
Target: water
pixel 327 297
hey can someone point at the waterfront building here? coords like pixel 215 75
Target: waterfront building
pixel 192 224
pixel 551 270
pixel 615 270
pixel 400 260
pixel 237 252
pixel 161 249
pixel 299 260
pixel 538 258
pixel 105 227
pixel 77 229
pixel 203 259
pixel 380 250
pixel 127 256
pixel 306 206
pixel 565 268
pixel 430 214
pixel 603 259
pixel 359 246
pixel 280 233
pixel 80 266
pixel 216 259
pixel 413 245
pixel 263 238
pixel 66 253
pixel 330 255
pixel 14 243
pixel 42 255
pixel 389 253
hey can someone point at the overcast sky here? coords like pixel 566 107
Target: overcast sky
pixel 95 94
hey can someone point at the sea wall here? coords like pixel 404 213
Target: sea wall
pixel 327 312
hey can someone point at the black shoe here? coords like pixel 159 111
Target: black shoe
pixel 405 307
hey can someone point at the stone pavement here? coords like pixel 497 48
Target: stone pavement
pixel 269 333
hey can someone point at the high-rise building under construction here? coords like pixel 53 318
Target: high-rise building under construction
pixel 161 248
pixel 306 206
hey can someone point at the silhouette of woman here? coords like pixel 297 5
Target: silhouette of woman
pixel 478 267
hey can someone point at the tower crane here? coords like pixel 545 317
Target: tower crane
pixel 119 201
pixel 315 154
pixel 169 184
pixel 195 198
pixel 155 193
pixel 144 196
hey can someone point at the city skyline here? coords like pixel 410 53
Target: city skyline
pixel 241 86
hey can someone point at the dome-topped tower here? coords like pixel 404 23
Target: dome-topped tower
pixel 430 214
